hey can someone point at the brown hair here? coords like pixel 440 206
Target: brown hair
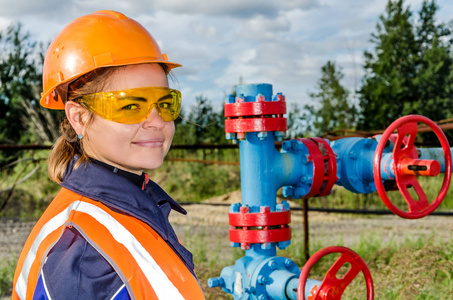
pixel 68 144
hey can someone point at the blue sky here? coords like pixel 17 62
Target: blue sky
pixel 283 43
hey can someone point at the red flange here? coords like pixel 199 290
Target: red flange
pixel 260 227
pixel 318 166
pixel 264 235
pixel 255 124
pixel 256 116
pixel 333 287
pixel 405 156
pixel 260 219
pixel 324 166
pixel 243 109
pixel 331 166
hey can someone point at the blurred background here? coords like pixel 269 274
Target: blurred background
pixel 345 66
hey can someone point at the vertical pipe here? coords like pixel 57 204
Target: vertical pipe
pixel 306 228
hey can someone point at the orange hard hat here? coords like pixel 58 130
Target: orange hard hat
pixel 101 39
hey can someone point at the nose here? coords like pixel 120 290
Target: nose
pixel 154 120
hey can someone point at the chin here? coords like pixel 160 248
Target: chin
pixel 151 165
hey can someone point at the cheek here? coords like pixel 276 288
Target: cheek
pixel 169 130
pixel 105 134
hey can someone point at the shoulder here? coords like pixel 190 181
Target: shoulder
pixel 74 269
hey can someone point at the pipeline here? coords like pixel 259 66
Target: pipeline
pixel 306 168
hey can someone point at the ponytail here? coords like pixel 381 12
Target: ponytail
pixel 68 144
pixel 63 151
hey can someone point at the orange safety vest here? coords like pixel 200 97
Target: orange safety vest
pixel 147 264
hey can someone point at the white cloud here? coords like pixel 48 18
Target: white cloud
pixel 284 43
pixel 263 28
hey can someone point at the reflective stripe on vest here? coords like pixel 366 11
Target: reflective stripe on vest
pixel 148 265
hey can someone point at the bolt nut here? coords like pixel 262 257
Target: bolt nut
pixel 368 143
pixel 244 209
pixel 272 264
pixel 283 245
pixel 265 209
pixel 245 246
pixel 215 282
pixel 260 98
pixel 288 263
pixel 240 98
pixel 235 207
pixel 261 135
pixel 287 191
pixel 262 279
pixel 266 246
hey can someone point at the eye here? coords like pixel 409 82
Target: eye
pixel 131 107
pixel 165 105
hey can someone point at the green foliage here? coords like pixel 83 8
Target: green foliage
pixel 333 110
pixel 410 70
pixel 341 198
pixel 203 125
pixel 7 268
pixel 388 83
pixel 30 198
pixel 412 268
pixel 194 181
pixel 22 119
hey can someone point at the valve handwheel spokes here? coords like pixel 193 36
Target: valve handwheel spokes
pixel 405 153
pixel 333 287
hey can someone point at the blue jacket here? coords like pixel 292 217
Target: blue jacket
pixel 74 269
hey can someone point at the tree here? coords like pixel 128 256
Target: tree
pixel 22 119
pixel 433 80
pixel 390 70
pixel 410 71
pixel 333 109
pixel 300 121
pixel 209 126
pixel 202 125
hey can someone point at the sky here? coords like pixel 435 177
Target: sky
pixel 284 43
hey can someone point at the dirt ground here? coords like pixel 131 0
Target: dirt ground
pixel 328 226
pixel 213 221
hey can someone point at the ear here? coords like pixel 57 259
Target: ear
pixel 74 113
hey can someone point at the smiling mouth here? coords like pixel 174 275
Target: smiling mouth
pixel 150 144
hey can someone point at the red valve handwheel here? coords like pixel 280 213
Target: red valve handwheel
pixel 332 287
pixel 404 149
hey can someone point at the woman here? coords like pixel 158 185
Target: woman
pixel 106 234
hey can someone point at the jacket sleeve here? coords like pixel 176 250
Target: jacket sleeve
pixel 74 269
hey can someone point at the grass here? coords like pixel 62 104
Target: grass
pixel 410 269
pixel 7 268
pixel 342 198
pixel 414 268
pixel 30 198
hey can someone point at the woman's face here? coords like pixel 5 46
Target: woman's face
pixel 131 147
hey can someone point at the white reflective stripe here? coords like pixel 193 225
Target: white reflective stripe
pixel 161 284
pixel 52 225
pixel 118 291
pixel 45 286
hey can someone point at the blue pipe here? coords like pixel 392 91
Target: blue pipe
pixel 260 274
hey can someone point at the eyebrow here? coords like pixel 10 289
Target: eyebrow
pixel 168 96
pixel 141 99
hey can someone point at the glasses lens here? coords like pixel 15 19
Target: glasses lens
pixel 134 105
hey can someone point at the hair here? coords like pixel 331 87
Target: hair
pixel 68 144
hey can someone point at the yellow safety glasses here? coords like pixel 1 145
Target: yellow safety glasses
pixel 134 105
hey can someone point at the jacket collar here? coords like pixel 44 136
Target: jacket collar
pixel 115 191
